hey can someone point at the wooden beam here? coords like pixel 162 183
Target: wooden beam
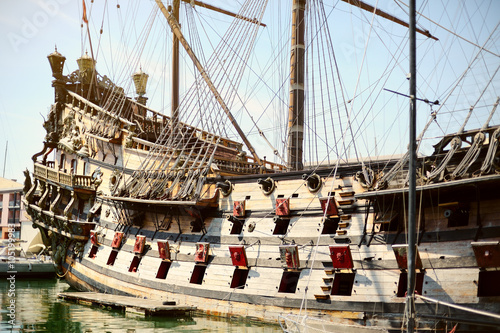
pixel 385 15
pixel 174 25
pixel 223 11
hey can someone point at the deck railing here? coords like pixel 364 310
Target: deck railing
pixel 47 172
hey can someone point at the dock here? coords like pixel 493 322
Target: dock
pixel 141 306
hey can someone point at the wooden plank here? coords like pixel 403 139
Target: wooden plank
pixel 322 296
pixel 138 305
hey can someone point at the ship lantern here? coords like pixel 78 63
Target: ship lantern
pixel 56 61
pixel 85 63
pixel 86 67
pixel 140 81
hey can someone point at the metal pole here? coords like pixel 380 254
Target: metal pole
pixel 5 158
pixel 410 298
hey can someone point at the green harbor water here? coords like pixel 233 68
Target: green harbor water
pixel 38 309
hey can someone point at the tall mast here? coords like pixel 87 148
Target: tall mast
pixel 176 29
pixel 175 67
pixel 296 107
pixel 410 299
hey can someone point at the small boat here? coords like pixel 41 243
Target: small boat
pixel 14 261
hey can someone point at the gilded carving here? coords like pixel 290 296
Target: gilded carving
pixel 97 177
pixel 114 181
pixel 50 125
pixel 72 140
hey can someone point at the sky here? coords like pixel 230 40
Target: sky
pixel 30 29
pixel 29 32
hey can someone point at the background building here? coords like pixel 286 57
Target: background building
pixel 11 207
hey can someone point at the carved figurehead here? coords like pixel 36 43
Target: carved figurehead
pixel 50 125
pixel 27 181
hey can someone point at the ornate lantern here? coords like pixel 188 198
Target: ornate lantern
pixel 140 81
pixel 86 66
pixel 85 63
pixel 56 61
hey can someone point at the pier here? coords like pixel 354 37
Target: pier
pixel 142 306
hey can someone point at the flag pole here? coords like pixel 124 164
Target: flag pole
pixel 94 74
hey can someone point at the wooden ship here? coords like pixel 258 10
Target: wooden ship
pixel 134 202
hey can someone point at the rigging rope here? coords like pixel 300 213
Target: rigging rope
pixel 455 143
pixel 181 157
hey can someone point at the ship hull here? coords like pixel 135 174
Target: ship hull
pixel 240 238
pixel 374 295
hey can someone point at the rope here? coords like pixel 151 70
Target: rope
pixel 490 155
pixel 455 144
pixel 475 148
pixel 182 155
pixel 470 157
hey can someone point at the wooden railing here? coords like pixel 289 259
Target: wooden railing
pixel 46 172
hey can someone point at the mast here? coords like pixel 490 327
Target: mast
pixel 410 298
pixel 174 25
pixel 296 107
pixel 175 67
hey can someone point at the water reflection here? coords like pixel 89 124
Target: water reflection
pixel 37 309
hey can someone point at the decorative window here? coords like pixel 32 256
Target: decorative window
pixel 117 240
pixel 282 207
pixel 342 284
pixel 239 278
pixel 93 251
pixel 341 256
pixel 134 265
pixel 112 257
pixel 330 225
pixel 198 274
pixel 85 169
pixel 289 282
pixel 140 242
pixel 201 254
pixel 329 206
pixel 163 270
pixel 238 256
pixel 456 213
pixel 403 284
pixel 164 250
pixel 289 256
pixel 62 162
pixel 74 166
pixel 488 285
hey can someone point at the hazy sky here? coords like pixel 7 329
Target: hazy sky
pixel 29 31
